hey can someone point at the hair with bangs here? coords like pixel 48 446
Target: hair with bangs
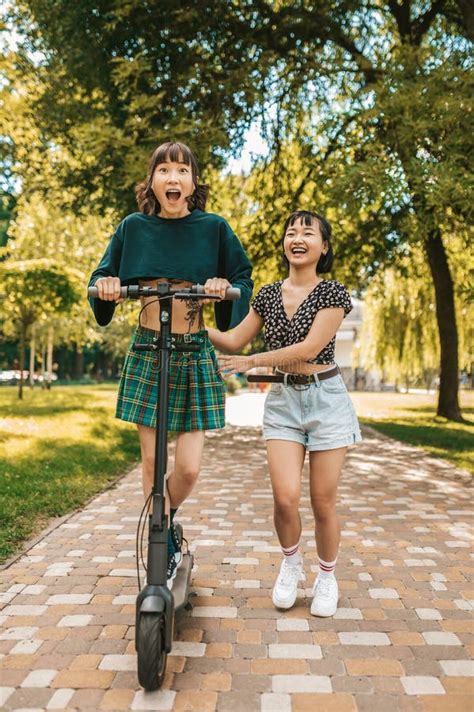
pixel 306 217
pixel 177 153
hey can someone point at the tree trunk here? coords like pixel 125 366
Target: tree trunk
pixel 100 366
pixel 31 375
pixel 49 364
pixel 22 360
pixel 448 402
pixel 61 359
pixel 78 363
pixel 43 366
pixel 427 380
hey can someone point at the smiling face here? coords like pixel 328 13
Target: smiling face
pixel 303 244
pixel 172 183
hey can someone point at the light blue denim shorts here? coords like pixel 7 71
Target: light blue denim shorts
pixel 320 415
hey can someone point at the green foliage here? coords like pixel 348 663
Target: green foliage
pixel 399 336
pixel 36 289
pixel 45 228
pixel 7 203
pixel 57 449
pixel 382 150
pixel 119 79
pixel 366 107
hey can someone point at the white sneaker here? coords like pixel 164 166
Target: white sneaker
pixel 286 585
pixel 326 596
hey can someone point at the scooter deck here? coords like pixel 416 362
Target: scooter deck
pixel 181 584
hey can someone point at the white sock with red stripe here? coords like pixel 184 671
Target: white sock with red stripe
pixel 292 554
pixel 327 568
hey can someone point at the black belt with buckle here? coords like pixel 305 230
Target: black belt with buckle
pixel 294 379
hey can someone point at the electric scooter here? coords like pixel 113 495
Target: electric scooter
pixel 156 603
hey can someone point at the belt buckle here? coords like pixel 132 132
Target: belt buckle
pixel 188 338
pixel 297 382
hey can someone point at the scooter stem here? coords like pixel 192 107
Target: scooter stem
pixel 157 564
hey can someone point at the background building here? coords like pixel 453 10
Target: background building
pixel 348 352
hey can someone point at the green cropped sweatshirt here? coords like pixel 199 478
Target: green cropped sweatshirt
pixel 193 248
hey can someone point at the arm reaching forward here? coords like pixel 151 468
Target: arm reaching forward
pixel 239 336
pixel 324 327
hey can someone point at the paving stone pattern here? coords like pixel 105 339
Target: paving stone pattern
pixel 401 639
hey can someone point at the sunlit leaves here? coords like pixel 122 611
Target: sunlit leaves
pixel 36 289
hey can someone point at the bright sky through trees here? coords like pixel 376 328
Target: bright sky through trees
pixel 254 146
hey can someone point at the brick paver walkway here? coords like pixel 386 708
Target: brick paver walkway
pixel 401 639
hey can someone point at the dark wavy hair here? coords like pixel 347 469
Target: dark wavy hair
pixel 307 217
pixel 177 153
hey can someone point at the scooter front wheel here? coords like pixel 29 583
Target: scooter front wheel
pixel 151 653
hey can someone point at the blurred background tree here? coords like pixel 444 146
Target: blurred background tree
pixel 33 291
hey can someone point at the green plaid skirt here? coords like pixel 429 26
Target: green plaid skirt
pixel 196 390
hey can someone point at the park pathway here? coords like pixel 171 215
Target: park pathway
pixel 401 639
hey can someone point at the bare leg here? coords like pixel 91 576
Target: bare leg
pixel 187 463
pixel 285 462
pixel 189 447
pixel 147 446
pixel 325 470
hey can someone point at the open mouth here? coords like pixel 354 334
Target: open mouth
pixel 298 250
pixel 173 195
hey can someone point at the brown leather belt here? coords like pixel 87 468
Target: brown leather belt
pixel 294 379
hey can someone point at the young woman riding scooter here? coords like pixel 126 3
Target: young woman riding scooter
pixel 171 238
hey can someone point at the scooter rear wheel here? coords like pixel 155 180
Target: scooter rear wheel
pixel 151 650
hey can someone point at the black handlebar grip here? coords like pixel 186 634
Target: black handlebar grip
pixel 93 292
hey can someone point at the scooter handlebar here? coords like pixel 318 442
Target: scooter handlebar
pixel 196 291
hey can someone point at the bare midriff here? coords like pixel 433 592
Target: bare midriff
pixel 305 368
pixel 186 316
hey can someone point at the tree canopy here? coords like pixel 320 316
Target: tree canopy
pixel 366 108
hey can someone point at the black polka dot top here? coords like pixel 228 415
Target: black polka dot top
pixel 281 331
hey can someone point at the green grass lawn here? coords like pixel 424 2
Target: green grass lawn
pixel 411 418
pixel 57 449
